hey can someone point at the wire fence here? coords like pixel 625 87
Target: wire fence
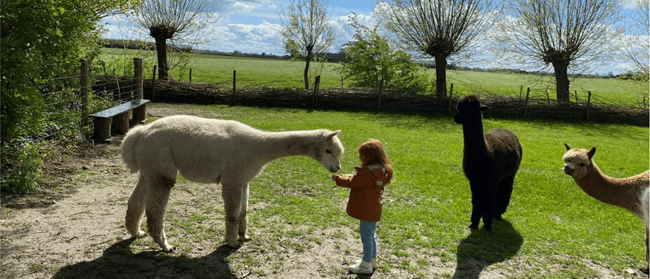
pixel 68 100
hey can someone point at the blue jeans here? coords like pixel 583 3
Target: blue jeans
pixel 369 240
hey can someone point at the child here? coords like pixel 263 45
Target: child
pixel 367 188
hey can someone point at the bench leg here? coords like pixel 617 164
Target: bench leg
pixel 120 124
pixel 140 114
pixel 102 128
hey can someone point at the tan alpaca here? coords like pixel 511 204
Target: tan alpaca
pixel 630 193
pixel 210 151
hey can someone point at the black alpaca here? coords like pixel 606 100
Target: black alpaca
pixel 490 162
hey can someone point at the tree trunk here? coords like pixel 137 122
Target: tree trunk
pixel 161 50
pixel 562 81
pixel 306 73
pixel 441 76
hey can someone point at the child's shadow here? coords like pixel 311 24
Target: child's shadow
pixel 481 249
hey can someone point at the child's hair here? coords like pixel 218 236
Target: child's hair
pixel 373 152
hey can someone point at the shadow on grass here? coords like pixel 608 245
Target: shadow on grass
pixel 481 249
pixel 118 261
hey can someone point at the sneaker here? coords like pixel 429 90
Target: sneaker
pixel 373 262
pixel 361 268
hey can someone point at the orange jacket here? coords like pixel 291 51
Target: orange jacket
pixel 366 190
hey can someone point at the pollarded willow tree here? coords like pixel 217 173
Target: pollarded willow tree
pixel 638 48
pixel 438 28
pixel 306 29
pixel 182 20
pixel 561 33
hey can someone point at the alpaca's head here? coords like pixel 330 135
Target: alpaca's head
pixel 328 150
pixel 577 161
pixel 469 108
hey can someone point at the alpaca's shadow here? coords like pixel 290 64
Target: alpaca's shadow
pixel 118 261
pixel 481 249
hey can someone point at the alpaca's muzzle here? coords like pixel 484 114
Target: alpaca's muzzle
pixel 567 170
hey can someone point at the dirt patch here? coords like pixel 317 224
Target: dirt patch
pixel 75 229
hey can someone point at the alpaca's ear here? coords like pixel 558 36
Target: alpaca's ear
pixel 484 107
pixel 567 146
pixel 591 153
pixel 332 134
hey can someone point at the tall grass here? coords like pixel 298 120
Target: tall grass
pixel 550 221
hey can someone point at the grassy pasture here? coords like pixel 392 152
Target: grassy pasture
pixel 552 228
pixel 257 72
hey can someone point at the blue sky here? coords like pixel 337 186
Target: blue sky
pixel 251 26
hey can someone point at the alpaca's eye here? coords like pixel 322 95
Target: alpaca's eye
pixel 328 151
pixel 581 164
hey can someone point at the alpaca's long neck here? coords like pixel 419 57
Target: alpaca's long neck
pixel 614 191
pixel 474 138
pixel 275 145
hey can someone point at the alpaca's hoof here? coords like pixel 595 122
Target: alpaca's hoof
pixel 488 228
pixel 244 238
pixel 645 270
pixel 498 218
pixel 473 226
pixel 168 249
pixel 140 234
pixel 233 244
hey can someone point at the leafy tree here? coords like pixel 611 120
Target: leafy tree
pixel 306 29
pixel 561 33
pixel 185 21
pixel 438 28
pixel 371 62
pixel 41 40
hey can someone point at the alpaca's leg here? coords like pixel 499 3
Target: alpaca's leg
pixel 504 192
pixel 135 209
pixel 159 191
pixel 232 200
pixel 243 222
pixel 647 249
pixel 476 210
pixel 487 209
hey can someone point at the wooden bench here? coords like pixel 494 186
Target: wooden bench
pixel 115 120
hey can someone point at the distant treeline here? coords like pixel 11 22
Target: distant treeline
pixel 340 56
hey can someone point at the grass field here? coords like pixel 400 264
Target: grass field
pixel 552 227
pixel 257 72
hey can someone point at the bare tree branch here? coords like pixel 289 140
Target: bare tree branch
pixel 561 32
pixel 180 20
pixel 438 28
pixel 306 28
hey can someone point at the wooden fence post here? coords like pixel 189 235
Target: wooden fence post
pixel 576 91
pixel 526 103
pixel 314 95
pixel 451 93
pixel 588 104
pixel 137 77
pixel 381 89
pixel 190 75
pixel 153 83
pixel 139 113
pixel 548 98
pixel 234 87
pixel 521 91
pixel 84 93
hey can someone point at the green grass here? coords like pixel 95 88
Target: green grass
pixel 550 222
pixel 258 72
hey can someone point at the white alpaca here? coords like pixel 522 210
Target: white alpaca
pixel 631 193
pixel 210 151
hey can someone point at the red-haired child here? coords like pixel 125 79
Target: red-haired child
pixel 365 202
